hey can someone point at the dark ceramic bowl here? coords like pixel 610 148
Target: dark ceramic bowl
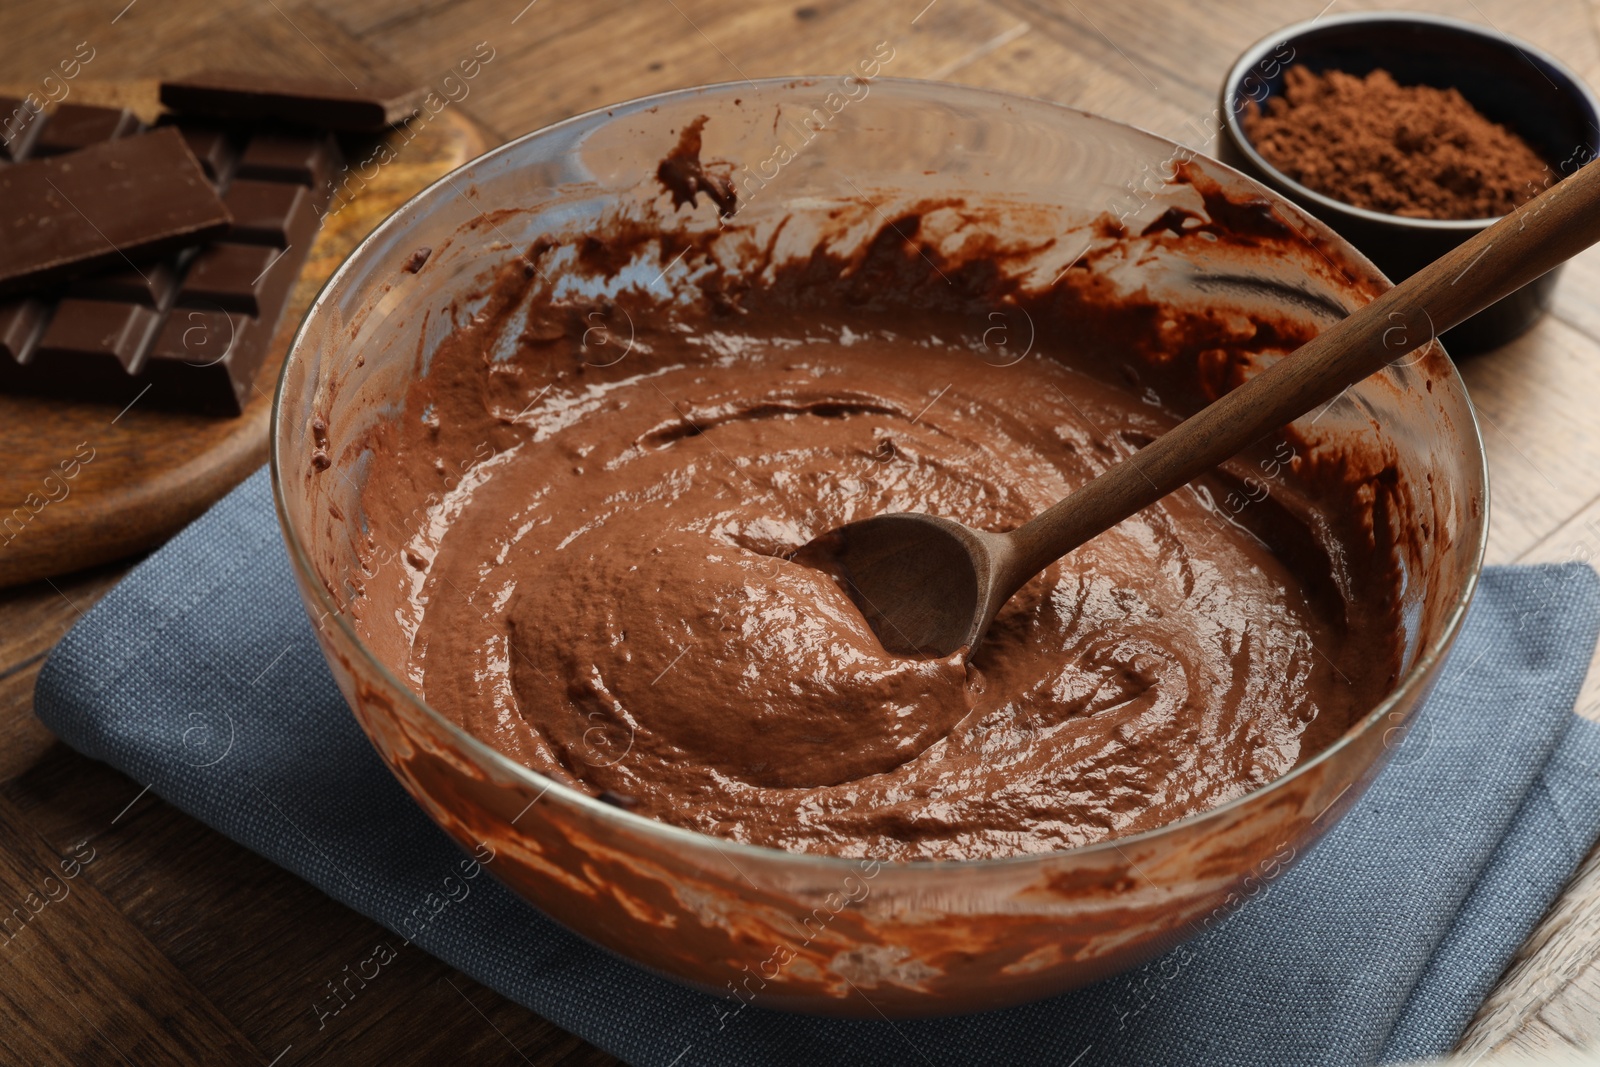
pixel 1510 81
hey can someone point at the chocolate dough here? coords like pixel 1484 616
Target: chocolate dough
pixel 600 585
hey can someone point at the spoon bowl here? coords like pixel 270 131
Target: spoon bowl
pixel 922 582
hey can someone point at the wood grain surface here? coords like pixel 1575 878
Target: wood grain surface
pixel 177 946
pixel 147 473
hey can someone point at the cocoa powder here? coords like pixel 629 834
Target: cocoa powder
pixel 1410 150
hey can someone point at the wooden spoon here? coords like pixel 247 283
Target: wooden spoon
pixel 930 586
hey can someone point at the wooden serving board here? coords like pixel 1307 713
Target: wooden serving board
pixel 85 483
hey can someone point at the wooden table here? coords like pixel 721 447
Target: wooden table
pixel 175 945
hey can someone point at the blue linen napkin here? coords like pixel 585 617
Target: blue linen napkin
pixel 199 676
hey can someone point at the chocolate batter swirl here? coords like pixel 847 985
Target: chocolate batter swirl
pixel 600 586
pixel 598 580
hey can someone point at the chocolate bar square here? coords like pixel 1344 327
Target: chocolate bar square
pixel 270 213
pixel 75 126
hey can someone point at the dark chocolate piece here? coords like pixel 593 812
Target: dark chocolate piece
pixel 97 344
pixel 234 277
pixel 20 321
pixel 286 156
pixel 206 361
pixel 200 338
pixel 150 284
pixel 270 213
pixel 159 329
pixel 105 205
pixel 313 102
pixel 214 145
pixel 96 328
pixel 19 125
pixel 75 126
pixel 418 258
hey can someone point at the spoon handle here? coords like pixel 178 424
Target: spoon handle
pixel 1532 240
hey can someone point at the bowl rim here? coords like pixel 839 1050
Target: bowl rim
pixel 1244 66
pixel 503 765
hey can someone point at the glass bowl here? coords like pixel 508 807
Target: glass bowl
pixel 819 933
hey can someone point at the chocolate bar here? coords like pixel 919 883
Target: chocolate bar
pixel 19 124
pixel 190 330
pixel 303 101
pixel 269 212
pixel 75 212
pixel 75 126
